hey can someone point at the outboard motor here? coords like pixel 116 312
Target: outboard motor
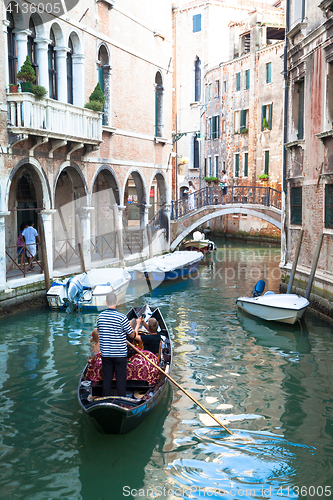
pixel 258 289
pixel 74 290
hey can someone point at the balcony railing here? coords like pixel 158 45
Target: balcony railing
pixel 53 119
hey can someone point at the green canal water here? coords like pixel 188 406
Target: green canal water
pixel 271 385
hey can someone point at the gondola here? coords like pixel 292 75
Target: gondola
pixel 120 415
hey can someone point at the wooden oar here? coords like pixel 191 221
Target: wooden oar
pixel 179 386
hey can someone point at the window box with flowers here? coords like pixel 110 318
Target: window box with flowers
pixel 263 177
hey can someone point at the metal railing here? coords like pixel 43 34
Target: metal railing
pixel 65 253
pixel 133 240
pixel 159 221
pixel 16 260
pixel 103 246
pixel 213 195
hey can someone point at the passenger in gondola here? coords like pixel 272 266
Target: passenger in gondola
pixel 151 341
pixel 95 370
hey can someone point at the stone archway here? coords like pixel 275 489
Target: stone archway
pixel 135 201
pixel 28 194
pixel 105 200
pixel 70 202
pixel 158 194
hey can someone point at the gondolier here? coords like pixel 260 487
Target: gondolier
pixel 113 327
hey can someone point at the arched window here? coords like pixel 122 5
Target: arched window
pixel 52 64
pixel 70 72
pixel 104 80
pixel 197 80
pixel 32 48
pixel 11 47
pixel 158 105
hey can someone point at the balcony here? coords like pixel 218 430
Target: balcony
pixel 52 119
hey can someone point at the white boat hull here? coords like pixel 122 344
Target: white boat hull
pixel 280 307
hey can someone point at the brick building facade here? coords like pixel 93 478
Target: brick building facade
pixel 84 171
pixel 309 145
pixel 243 116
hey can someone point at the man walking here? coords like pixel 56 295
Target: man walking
pixel 113 327
pixel 30 238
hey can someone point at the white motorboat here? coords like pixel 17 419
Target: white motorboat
pixel 167 267
pixel 285 308
pixel 88 290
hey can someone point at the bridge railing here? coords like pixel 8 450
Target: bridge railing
pixel 213 195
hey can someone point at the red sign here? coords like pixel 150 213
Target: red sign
pixel 152 192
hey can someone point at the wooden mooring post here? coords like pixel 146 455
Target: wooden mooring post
pixel 294 266
pixel 314 266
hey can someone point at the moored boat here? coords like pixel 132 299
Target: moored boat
pixel 87 291
pixel 167 267
pixel 199 243
pixel 285 308
pixel 120 415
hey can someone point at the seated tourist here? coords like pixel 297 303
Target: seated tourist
pixel 95 370
pixel 151 341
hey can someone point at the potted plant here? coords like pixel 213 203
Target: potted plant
pixel 263 177
pixel 13 88
pixel 39 91
pixel 244 130
pixel 26 75
pixel 265 124
pixel 96 99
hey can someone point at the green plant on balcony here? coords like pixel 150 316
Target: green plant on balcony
pixel 39 91
pixel 13 88
pixel 265 125
pixel 211 179
pixel 244 130
pixel 96 99
pixel 263 177
pixel 26 75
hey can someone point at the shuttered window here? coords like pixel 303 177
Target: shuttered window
pixel 238 80
pixel 236 165
pixel 266 116
pixel 329 206
pixel 215 127
pixel 269 72
pixel 247 79
pixel 216 166
pixel 196 23
pixel 296 205
pixel 246 164
pixel 267 162
pixel 300 132
pixel 243 119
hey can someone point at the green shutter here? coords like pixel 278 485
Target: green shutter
pixel 101 81
pixel 263 115
pixel 237 165
pixel 267 162
pixel 246 165
pixel 268 72
pixel 329 206
pixel 196 23
pixel 296 205
pixel 247 79
pixel 205 168
pixel 270 116
pixel 243 119
pixel 237 81
pixel 216 166
pixel 300 134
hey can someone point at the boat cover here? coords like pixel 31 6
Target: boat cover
pixel 168 262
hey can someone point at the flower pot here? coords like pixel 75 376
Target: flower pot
pixel 26 86
pixel 14 89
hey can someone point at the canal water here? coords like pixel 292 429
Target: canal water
pixel 271 385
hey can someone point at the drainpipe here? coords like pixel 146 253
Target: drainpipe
pixel 285 137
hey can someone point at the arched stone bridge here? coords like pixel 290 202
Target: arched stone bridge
pixel 208 203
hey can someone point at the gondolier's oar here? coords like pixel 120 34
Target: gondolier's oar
pixel 179 386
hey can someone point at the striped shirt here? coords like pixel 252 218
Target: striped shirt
pixel 112 327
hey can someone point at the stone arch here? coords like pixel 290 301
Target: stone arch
pixel 58 33
pixel 39 23
pixel 16 13
pixel 27 192
pixel 70 198
pixel 224 211
pixel 76 41
pixel 134 209
pixel 110 181
pixel 161 194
